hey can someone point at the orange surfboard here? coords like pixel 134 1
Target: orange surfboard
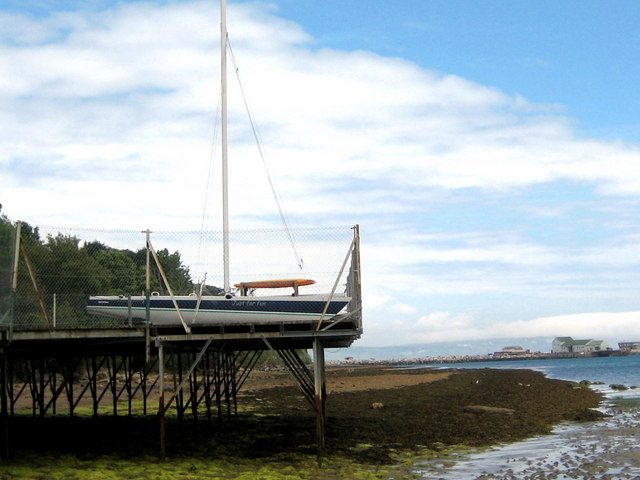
pixel 281 283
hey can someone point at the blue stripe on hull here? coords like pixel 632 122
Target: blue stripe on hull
pixel 213 311
pixel 233 305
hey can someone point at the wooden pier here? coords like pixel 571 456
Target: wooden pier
pixel 208 369
pixel 142 369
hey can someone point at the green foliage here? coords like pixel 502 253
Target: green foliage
pixel 76 270
pixel 177 273
pixel 121 272
pixel 71 269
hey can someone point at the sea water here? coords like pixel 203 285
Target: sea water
pixel 606 449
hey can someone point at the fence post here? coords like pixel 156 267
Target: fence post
pixel 147 302
pixel 55 308
pixel 14 278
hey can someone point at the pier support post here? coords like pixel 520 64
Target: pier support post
pixel 161 409
pixel 320 390
pixel 4 405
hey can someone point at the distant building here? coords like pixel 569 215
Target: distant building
pixel 512 351
pixel 629 346
pixel 569 345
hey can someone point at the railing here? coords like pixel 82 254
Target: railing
pixel 47 277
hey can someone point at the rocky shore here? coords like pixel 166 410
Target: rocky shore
pixel 606 449
pixel 380 420
pixel 494 357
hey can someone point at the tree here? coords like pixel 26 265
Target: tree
pixel 70 269
pixel 177 273
pixel 123 275
pixel 73 271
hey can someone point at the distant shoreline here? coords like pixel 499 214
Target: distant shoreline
pixel 474 358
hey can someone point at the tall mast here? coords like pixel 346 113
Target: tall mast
pixel 225 171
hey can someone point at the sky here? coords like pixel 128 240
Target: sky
pixel 489 151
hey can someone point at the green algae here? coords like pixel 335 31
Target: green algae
pixel 110 468
pixel 272 438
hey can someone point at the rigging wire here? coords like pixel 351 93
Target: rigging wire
pixel 214 143
pixel 258 140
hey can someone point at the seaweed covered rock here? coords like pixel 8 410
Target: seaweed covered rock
pixel 463 407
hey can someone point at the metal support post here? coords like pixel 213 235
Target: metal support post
pixel 206 374
pixel 228 383
pixel 179 393
pixel 92 372
pixel 320 394
pixel 112 368
pixel 218 384
pixel 41 382
pixel 193 390
pixel 54 386
pixel 69 369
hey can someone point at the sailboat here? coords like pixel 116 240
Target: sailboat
pixel 232 307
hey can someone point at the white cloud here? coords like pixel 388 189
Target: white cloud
pixel 449 327
pixel 585 325
pixel 442 320
pixel 108 117
pixel 138 81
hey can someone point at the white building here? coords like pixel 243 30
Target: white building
pixel 569 345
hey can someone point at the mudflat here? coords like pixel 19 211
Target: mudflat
pixel 378 420
pixel 413 409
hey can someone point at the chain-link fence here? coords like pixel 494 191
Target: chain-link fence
pixel 59 268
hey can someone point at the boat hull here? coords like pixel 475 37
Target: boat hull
pixel 218 310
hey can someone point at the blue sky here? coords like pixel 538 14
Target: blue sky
pixel 579 54
pixel 489 150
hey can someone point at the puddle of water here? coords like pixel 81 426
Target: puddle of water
pixel 607 449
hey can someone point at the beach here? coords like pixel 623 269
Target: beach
pixel 382 422
pixel 551 433
pixel 424 409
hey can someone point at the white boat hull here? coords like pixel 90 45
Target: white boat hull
pixel 218 310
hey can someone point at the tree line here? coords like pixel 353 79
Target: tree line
pixel 74 269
